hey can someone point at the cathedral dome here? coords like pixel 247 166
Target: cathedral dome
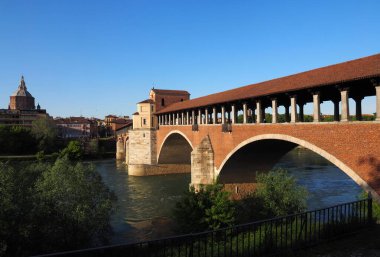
pixel 22 90
pixel 21 99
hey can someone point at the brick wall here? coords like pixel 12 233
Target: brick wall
pixel 351 146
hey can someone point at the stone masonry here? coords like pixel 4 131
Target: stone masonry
pixel 202 164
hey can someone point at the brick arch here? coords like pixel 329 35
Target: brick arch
pixel 165 142
pixel 340 164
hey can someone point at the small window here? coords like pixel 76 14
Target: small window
pixel 181 100
pixel 151 108
pixel 152 122
pixel 162 102
pixel 144 121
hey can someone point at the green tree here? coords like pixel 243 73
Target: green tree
pixel 209 208
pixel 52 207
pixel 16 140
pixel 73 151
pixel 77 203
pixel 277 194
pixel 45 131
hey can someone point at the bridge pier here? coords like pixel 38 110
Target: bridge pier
pixel 202 164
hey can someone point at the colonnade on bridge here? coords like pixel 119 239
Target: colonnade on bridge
pixel 253 110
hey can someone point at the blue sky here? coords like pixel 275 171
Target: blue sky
pixel 94 58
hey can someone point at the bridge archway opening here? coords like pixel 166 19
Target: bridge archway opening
pixel 240 165
pixel 260 155
pixel 176 149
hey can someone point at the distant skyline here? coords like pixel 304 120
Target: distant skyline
pixel 94 58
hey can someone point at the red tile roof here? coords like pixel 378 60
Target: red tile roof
pixel 146 101
pixel 365 67
pixel 170 92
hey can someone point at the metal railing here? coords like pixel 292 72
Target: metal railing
pixel 267 237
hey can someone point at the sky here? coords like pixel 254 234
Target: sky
pixel 93 58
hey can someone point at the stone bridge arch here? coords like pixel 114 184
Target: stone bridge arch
pixel 176 148
pixel 291 142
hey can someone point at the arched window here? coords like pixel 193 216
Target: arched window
pixel 162 102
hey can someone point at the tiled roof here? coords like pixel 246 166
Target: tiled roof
pixel 128 124
pixel 170 92
pixel 150 101
pixel 365 67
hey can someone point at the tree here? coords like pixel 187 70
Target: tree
pixel 16 140
pixel 277 194
pixel 77 203
pixel 73 151
pixel 45 131
pixel 52 207
pixel 209 208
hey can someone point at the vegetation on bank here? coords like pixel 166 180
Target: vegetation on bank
pixel 211 208
pixel 42 140
pixel 49 207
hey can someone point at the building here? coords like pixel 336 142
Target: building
pixel 21 109
pixel 113 123
pixel 158 99
pixel 76 127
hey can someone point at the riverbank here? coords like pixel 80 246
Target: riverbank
pixel 107 155
pixel 365 243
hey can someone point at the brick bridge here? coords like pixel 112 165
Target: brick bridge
pixel 205 136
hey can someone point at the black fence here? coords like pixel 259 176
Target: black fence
pixel 261 238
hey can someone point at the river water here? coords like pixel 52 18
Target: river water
pixel 145 203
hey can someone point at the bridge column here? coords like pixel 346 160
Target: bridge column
pixel 301 114
pixel 287 115
pixel 358 102
pixel 177 120
pixel 182 118
pixel 259 115
pixel 316 107
pixel 170 119
pixel 336 109
pixel 274 110
pixel 377 102
pixel 245 113
pixel 214 115
pixel 223 115
pixel 345 105
pixel 206 116
pixel 192 117
pixel 293 104
pixel 233 114
pixel 199 117
pixel 187 117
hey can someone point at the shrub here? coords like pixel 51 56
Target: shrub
pixel 277 194
pixel 209 208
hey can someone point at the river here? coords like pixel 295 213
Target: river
pixel 145 203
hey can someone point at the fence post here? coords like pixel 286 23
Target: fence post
pixel 369 200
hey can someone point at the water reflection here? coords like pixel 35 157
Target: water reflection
pixel 144 202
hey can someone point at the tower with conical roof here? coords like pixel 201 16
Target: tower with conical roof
pixel 21 99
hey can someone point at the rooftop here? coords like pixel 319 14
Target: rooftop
pixel 169 92
pixel 366 67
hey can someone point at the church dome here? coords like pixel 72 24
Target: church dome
pixel 22 90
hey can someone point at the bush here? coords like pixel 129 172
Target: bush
pixel 73 151
pixel 209 208
pixel 277 194
pixel 52 207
